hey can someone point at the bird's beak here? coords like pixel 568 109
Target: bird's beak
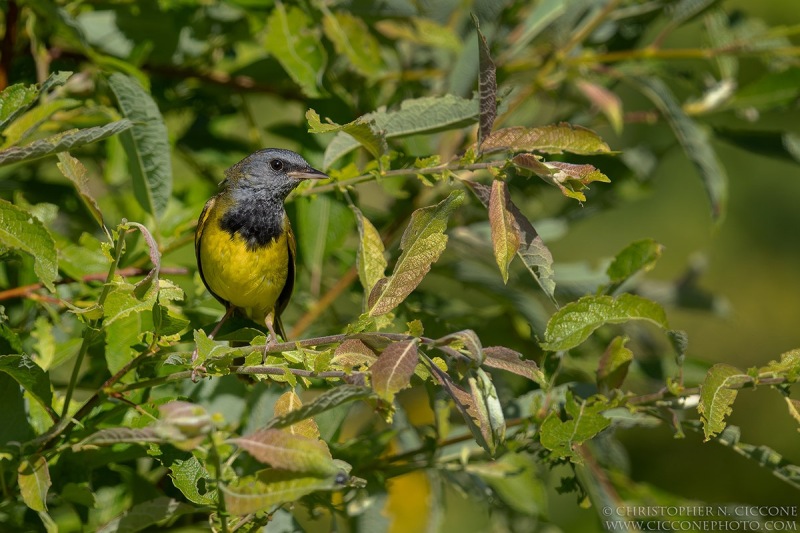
pixel 307 174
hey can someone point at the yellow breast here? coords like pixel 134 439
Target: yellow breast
pixel 249 279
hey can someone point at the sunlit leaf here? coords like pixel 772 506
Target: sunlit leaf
pixel 505 232
pixel 571 179
pixel 29 122
pixel 353 353
pixel 61 142
pixel 15 100
pixel 487 86
pixel 422 243
pixel 552 139
pixel 288 402
pixel 788 365
pixel 585 421
pixel 287 451
pixel 717 396
pixel 370 259
pixel 189 476
pixel 21 231
pixel 294 41
pixel 466 339
pixel 392 371
pixel 613 365
pixel 489 410
pixel 363 130
pixel 639 256
pixel 146 144
pixel 573 323
pixel 33 479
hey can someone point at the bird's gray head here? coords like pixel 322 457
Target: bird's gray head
pixel 270 173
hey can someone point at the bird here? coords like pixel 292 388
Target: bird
pixel 244 242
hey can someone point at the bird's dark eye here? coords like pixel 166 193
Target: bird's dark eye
pixel 276 164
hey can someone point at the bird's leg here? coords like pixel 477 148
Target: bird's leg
pixel 273 337
pixel 225 317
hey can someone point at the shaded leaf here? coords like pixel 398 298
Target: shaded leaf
pixel 607 102
pixel 295 44
pixel 363 130
pixel 33 479
pixel 540 17
pixel 288 402
pixel 20 230
pixel 142 287
pixel 415 116
pixel 781 144
pixel 552 139
pixel 613 365
pixel 773 89
pixel 287 451
pixel 143 516
pixel 352 39
pixel 573 323
pixel 392 371
pixel 695 142
pixel 717 396
pixel 585 422
pixel 422 243
pixel 505 232
pixel 30 376
pixel 61 142
pixel 639 256
pixel 370 259
pixel 324 402
pixel 74 170
pixel 488 409
pixel 511 361
pixel 110 436
pixel 253 494
pixel 146 144
pixel 466 339
pixel 487 86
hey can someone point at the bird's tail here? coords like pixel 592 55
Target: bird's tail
pixel 279 329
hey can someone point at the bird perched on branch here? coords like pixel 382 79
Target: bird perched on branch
pixel 244 242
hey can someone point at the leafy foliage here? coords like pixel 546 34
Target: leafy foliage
pixel 420 343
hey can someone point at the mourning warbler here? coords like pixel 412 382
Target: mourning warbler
pixel 244 242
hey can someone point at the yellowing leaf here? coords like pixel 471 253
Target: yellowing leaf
pixel 552 139
pixel 353 353
pixel 33 479
pixel 370 261
pixel 288 402
pixel 422 243
pixel 505 232
pixel 286 451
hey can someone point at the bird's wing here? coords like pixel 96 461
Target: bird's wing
pixel 198 236
pixel 286 293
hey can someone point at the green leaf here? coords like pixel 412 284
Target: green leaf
pixel 21 231
pixel 489 410
pixel 422 243
pixel 353 353
pixel 14 100
pixel 190 477
pixel 516 481
pixel 487 87
pixel 392 372
pixel 30 376
pixel 288 402
pixel 141 288
pixel 571 179
pixel 539 17
pixel 253 494
pixel 613 365
pixel 294 42
pixel 370 259
pixel 788 366
pixel 504 228
pixel 146 515
pixel 363 130
pixel 780 144
pixel 74 170
pixel 573 323
pixel 532 250
pixel 120 435
pixel 324 402
pixel 774 89
pixel 585 422
pixel 415 116
pixel 695 142
pixel 717 396
pixel 552 139
pixel 511 361
pixel 352 39
pixel 146 144
pixel 639 256
pixel 62 142
pixel 33 479
pixel 286 451
pixel 28 123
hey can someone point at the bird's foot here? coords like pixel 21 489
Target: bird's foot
pixel 270 344
pixel 196 371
